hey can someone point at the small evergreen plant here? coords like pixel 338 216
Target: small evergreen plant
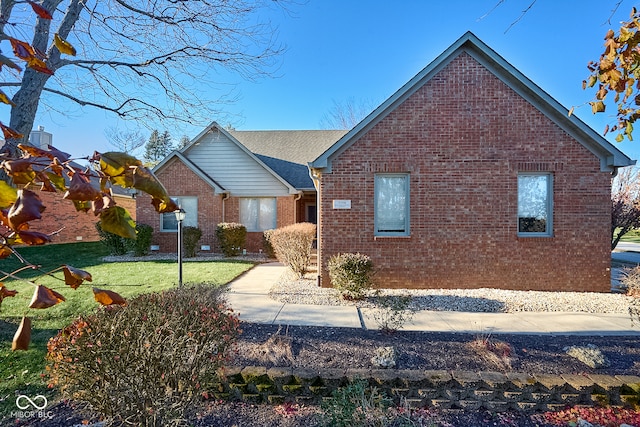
pixel 191 236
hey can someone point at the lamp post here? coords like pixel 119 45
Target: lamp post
pixel 180 216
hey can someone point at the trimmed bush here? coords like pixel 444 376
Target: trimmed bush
pixel 190 238
pixel 117 245
pixel 231 238
pixel 292 245
pixel 266 244
pixel 351 274
pixel 147 363
pixel 142 244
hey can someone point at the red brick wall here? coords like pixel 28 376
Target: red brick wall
pixel 463 137
pixel 74 226
pixel 179 180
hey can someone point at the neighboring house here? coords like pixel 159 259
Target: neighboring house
pixel 61 216
pixel 469 176
pixel 257 178
pixel 73 226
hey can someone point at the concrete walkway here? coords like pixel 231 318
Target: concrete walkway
pixel 248 296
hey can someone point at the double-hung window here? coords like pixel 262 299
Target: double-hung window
pixel 535 204
pixel 258 214
pixel 391 202
pixel 168 221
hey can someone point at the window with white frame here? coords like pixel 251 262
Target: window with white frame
pixel 391 202
pixel 258 214
pixel 535 204
pixel 168 221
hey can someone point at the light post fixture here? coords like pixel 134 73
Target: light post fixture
pixel 180 216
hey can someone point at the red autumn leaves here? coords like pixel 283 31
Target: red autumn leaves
pixel 89 190
pixel 44 297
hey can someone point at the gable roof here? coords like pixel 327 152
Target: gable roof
pixel 205 177
pixel 287 152
pixel 610 157
pixel 215 127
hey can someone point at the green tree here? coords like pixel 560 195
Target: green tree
pixel 158 146
pixel 184 141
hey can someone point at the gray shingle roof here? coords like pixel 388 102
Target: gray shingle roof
pixel 297 146
pixel 287 152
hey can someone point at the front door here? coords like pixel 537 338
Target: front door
pixel 311 213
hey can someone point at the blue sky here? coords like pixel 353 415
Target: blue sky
pixel 367 49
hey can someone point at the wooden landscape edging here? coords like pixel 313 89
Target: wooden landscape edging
pixel 441 389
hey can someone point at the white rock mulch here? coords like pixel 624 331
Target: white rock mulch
pixel 305 291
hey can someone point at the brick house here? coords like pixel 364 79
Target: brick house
pixel 468 176
pixel 257 178
pixel 73 226
pixel 471 176
pixel 61 216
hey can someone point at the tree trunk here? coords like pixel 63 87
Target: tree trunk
pixel 27 98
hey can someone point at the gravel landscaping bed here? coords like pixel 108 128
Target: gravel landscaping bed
pixel 305 291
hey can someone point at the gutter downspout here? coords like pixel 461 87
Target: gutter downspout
pixel 225 196
pixel 315 177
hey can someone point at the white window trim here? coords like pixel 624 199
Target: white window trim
pixel 407 222
pixel 187 221
pixel 549 222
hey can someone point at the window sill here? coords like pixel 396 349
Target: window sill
pixel 391 237
pixel 535 237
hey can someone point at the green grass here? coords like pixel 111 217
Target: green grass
pixel 631 237
pixel 21 372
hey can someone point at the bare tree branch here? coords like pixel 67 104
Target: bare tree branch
pixel 142 60
pixel 499 3
pixel 614 10
pixel 524 12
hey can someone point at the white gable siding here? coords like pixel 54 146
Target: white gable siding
pixel 233 168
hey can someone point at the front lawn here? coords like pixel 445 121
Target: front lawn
pixel 632 237
pixel 21 372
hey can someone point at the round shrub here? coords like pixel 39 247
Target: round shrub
pixel 142 244
pixel 146 363
pixel 292 245
pixel 117 245
pixel 191 237
pixel 231 237
pixel 351 274
pixel 266 244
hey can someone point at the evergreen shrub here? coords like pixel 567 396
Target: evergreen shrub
pixel 351 274
pixel 231 238
pixel 190 238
